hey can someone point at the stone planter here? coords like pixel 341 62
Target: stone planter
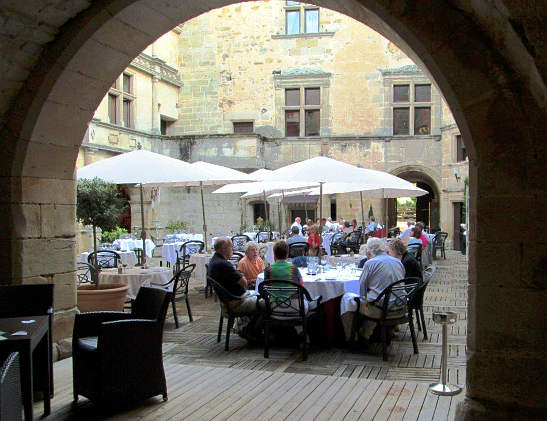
pixel 108 297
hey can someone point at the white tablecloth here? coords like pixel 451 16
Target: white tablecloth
pixel 131 244
pixel 329 285
pixel 170 251
pixel 126 257
pixel 136 277
pixel 327 237
pixel 187 237
pixel 200 260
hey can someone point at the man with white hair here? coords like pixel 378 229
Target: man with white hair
pixel 379 271
pixel 406 233
pixel 297 223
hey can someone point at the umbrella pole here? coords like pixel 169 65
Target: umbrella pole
pixel 362 210
pixel 320 207
pixel 266 216
pixel 203 214
pixel 282 212
pixel 385 205
pixel 306 211
pixel 143 232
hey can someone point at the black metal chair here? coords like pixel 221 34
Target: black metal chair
pixel 239 242
pixel 224 298
pixel 416 250
pixel 178 286
pixel 353 241
pixel 285 306
pixel 338 243
pixel 299 248
pixel 117 357
pixel 264 236
pixel 236 257
pixel 30 300
pixel 186 250
pixel 416 305
pixel 439 243
pixel 138 255
pixel 399 312
pixel 11 400
pixel 83 272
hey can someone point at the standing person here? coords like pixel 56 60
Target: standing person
pixel 297 223
pixel 251 264
pixel 405 235
pixel 314 241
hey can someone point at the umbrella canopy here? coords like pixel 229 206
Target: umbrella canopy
pixel 147 168
pixel 258 174
pixel 220 174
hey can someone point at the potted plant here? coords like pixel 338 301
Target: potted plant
pixel 99 205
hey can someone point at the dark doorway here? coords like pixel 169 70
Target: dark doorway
pixel 458 220
pixel 333 208
pixel 258 211
pixel 302 214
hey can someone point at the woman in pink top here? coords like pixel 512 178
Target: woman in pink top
pixel 314 241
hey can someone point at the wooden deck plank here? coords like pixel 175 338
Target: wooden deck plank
pixel 401 406
pixel 376 401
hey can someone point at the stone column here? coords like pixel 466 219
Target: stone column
pixel 155 129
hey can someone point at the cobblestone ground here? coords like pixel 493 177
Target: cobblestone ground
pixel 195 342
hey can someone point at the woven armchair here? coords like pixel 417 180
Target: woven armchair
pixel 117 357
pixel 11 401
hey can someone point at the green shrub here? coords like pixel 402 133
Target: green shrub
pixel 176 225
pixel 111 236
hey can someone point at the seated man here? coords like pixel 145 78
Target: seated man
pixel 296 237
pixel 222 271
pixel 397 249
pixel 379 271
pixel 281 269
pixel 371 225
pixel 405 235
pixel 251 264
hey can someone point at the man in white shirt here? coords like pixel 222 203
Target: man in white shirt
pixel 297 223
pixel 406 233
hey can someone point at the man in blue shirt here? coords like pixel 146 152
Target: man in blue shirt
pixel 296 237
pixel 371 225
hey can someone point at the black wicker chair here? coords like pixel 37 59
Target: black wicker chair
pixel 239 242
pixel 416 250
pixel 83 272
pixel 298 249
pixel 403 293
pixel 11 400
pixel 285 306
pixel 439 244
pixel 186 249
pixel 236 257
pixel 178 286
pixel 105 259
pixel 353 241
pixel 117 357
pixel 30 300
pixel 225 312
pixel 338 243
pixel 264 236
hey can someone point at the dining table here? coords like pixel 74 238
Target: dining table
pixel 130 244
pixel 136 277
pixel 128 258
pixel 30 337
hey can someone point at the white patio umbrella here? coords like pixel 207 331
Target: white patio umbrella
pixel 220 175
pixel 144 168
pixel 324 170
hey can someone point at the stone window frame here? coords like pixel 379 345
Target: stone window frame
pixel 117 90
pixel 456 148
pixel 302 8
pixel 321 81
pixel 411 78
pixel 247 121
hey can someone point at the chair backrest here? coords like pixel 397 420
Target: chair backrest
pixel 298 248
pixel 239 242
pixel 283 299
pixel 222 293
pixel 105 259
pixel 191 247
pixel 397 295
pixel 416 250
pixel 264 236
pixel 11 402
pixel 83 272
pixel 440 238
pixel 26 300
pixel 151 304
pixel 236 257
pixel 338 239
pixel 182 278
pixel 354 237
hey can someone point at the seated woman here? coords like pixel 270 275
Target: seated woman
pixel 423 237
pixel 397 249
pixel 314 241
pixel 415 236
pixel 251 264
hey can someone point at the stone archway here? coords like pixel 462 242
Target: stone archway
pixel 487 59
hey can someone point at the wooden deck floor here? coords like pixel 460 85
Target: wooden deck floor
pixel 205 382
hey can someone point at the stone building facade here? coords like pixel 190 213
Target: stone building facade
pixel 282 83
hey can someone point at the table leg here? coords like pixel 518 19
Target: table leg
pixel 26 381
pixel 47 375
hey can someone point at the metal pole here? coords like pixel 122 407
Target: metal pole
pixel 282 212
pixel 362 209
pixel 320 207
pixel 444 361
pixel 385 221
pixel 205 240
pixel 143 232
pixel 266 216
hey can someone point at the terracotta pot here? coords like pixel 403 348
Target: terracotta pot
pixel 108 297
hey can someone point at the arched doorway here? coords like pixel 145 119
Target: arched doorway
pixel 485 60
pixel 427 209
